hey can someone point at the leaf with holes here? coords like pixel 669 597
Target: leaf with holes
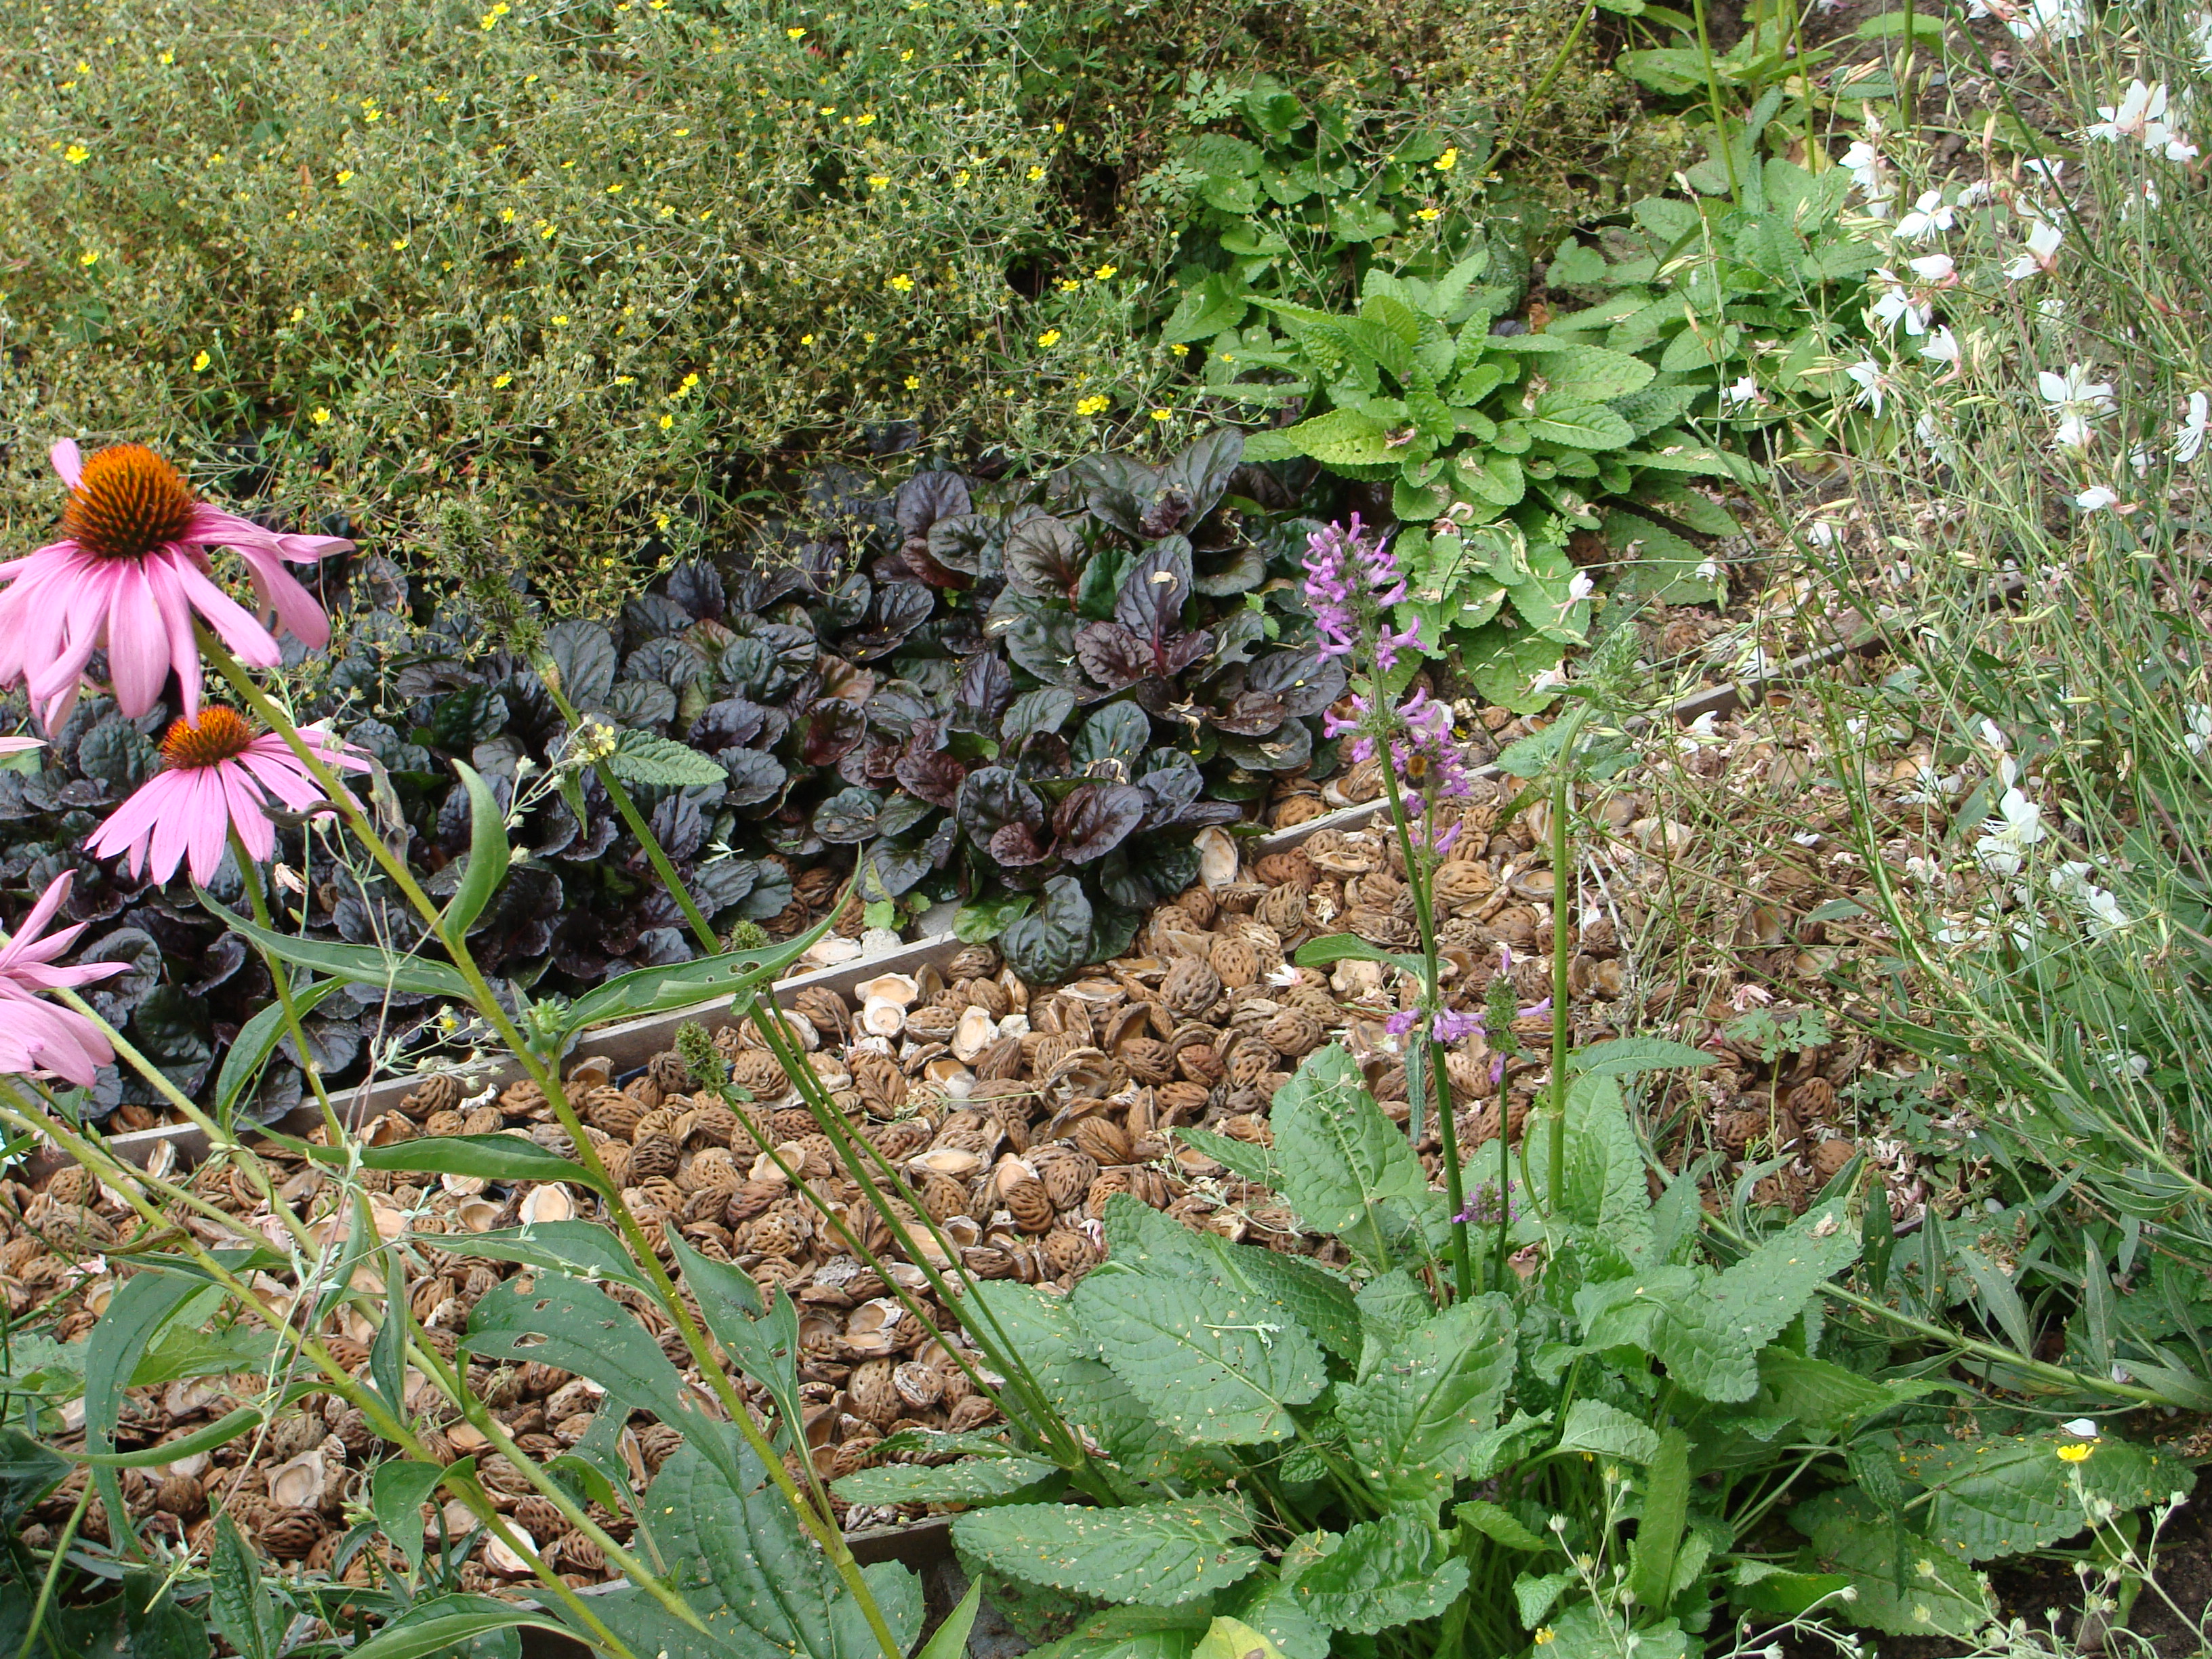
pixel 1161 1555
pixel 1414 1421
pixel 1384 1572
pixel 1343 1161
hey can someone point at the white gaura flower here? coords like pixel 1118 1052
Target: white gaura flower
pixel 2199 734
pixel 2096 498
pixel 1870 174
pixel 1873 384
pixel 1940 443
pixel 1929 214
pixel 2044 237
pixel 2140 108
pixel 1894 303
pixel 1942 347
pixel 1936 267
pixel 1580 587
pixel 2097 906
pixel 2189 437
pixel 1745 390
pixel 2016 826
pixel 2204 33
pixel 2077 400
pixel 2036 20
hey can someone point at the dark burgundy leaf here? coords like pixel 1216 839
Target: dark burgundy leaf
pixel 1044 560
pixel 1305 684
pixel 1045 645
pixel 1054 940
pixel 986 687
pixel 1202 473
pixel 832 729
pixel 1112 655
pixel 926 497
pixel 899 608
pixel 992 797
pixel 733 723
pixel 848 816
pixel 932 775
pixel 1150 603
pixel 967 544
pixel 1033 711
pixel 889 871
pixel 900 813
pixel 1016 846
pixel 1097 819
pixel 1251 713
pixel 697 586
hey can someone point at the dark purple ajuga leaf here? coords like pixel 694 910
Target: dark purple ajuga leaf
pixel 889 871
pixel 1153 593
pixel 678 825
pixel 1249 713
pixel 899 608
pixel 1033 711
pixel 1054 940
pixel 930 774
pixel 1097 819
pixel 1016 846
pixel 843 606
pixel 966 543
pixel 843 679
pixel 654 616
pixel 985 690
pixel 1178 653
pixel 756 775
pixel 1304 682
pixel 1044 560
pixel 926 497
pixel 901 812
pixel 831 729
pixel 848 816
pixel 1045 645
pixel 872 763
pixel 697 586
pixel 1202 472
pixel 992 797
pixel 732 723
pixel 897 704
pixel 1118 733
pixel 1112 655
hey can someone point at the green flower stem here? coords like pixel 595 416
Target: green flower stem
pixel 386 1424
pixel 1067 1449
pixel 1417 878
pixel 1562 893
pixel 669 879
pixel 54 1571
pixel 1720 110
pixel 822 1527
pixel 249 873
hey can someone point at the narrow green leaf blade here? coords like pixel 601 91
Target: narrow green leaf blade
pixel 487 855
pixel 398 1490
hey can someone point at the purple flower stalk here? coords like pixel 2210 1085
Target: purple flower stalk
pixel 1352 578
pixel 1449 1026
pixel 1486 1207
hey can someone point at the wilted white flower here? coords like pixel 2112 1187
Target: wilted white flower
pixel 1928 216
pixel 1745 390
pixel 1939 442
pixel 2036 20
pixel 1580 587
pixel 2098 908
pixel 2077 400
pixel 2080 1428
pixel 2189 438
pixel 2096 498
pixel 2198 737
pixel 1942 346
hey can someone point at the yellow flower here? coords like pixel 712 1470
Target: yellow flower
pixel 546 233
pixel 827 109
pixel 398 243
pixel 1093 405
pixel 1105 271
pixel 913 382
pixel 667 421
pixel 878 181
pixel 869 339
pixel 806 339
pixel 493 16
pixel 1060 126
pixel 200 363
pixel 903 282
pixel 1067 285
pixel 682 133
pixel 1179 350
pixel 1035 173
pixel 1425 213
pixel 614 189
pixel 1049 338
pixel 89 256
pixel 667 212
pixel 690 380
pixel 1544 1633
pixel 794 35
pixel 561 319
pixel 2077 1452
pixel 868 120
pixel 960 178
pixel 1447 160
pixel 506 216
pixel 1163 414
pixel 345 175
pixel 625 380
pixel 168 57
pixel 907 56
pixel 501 379
pixel 76 154
pixel 321 418
pixel 298 312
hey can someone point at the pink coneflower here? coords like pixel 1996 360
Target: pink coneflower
pixel 129 570
pixel 20 745
pixel 215 770
pixel 35 1035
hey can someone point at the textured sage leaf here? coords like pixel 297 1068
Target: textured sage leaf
pixel 1710 1342
pixel 1414 1420
pixel 1385 1572
pixel 1159 1554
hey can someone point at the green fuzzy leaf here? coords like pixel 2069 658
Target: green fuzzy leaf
pixel 1663 566
pixel 1630 1057
pixel 1342 1160
pixel 1385 1572
pixel 1499 1525
pixel 1905 1585
pixel 1825 1396
pixel 586 1331
pixel 240 1609
pixel 1573 425
pixel 1162 1554
pixel 1534 1594
pixel 970 1480
pixel 1592 375
pixel 2005 1495
pixel 1585 1631
pixel 663 762
pixel 1130 1633
pixel 1607 1430
pixel 1340 436
pixel 1245 1159
pixel 1205 311
pixel 1710 1342
pixel 1347 947
pixel 1413 1421
pixel 1217 1366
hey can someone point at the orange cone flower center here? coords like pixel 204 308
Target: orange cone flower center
pixel 221 733
pixel 127 503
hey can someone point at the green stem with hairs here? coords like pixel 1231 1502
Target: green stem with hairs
pixel 249 873
pixel 823 1528
pixel 1562 893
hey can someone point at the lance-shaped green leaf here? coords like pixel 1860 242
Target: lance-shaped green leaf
pixel 1821 1395
pixel 398 1490
pixel 354 965
pixel 1384 1572
pixel 1159 1554
pixel 1627 1056
pixel 28 1471
pixel 656 990
pixel 487 855
pixel 1130 1633
pixel 1347 947
pixel 1213 1365
pixel 583 1249
pixel 761 1340
pixel 971 1480
pixel 488 1158
pixel 240 1610
pixel 1414 1420
pixel 146 1302
pixel 258 1039
pixel 1710 1341
pixel 1665 1511
pixel 445 1624
pixel 573 1327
